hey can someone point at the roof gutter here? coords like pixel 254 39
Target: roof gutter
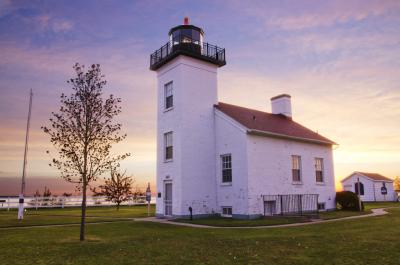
pixel 278 135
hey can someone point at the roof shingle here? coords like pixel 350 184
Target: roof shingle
pixel 273 124
pixel 374 176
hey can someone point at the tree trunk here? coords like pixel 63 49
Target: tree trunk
pixel 118 206
pixel 83 216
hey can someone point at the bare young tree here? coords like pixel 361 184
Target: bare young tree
pixel 46 192
pixel 396 183
pixel 84 130
pixel 117 188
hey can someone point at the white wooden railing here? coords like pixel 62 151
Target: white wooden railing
pixel 64 201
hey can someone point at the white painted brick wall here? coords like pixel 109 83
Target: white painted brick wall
pixel 192 170
pixel 270 170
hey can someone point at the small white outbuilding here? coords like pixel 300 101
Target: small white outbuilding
pixel 370 186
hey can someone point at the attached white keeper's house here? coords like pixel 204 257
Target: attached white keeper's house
pixel 370 186
pixel 218 158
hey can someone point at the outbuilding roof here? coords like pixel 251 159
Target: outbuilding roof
pixel 372 176
pixel 267 124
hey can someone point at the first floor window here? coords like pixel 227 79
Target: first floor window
pixel 296 168
pixel 226 161
pixel 319 175
pixel 168 146
pixel 227 211
pixel 169 97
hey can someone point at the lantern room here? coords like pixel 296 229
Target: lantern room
pixel 186 34
pixel 187 40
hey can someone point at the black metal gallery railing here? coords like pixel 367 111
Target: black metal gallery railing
pixel 205 51
pixel 290 204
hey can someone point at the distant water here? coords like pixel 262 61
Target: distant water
pixel 11 186
pixel 61 201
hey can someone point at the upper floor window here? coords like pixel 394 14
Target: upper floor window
pixel 319 169
pixel 226 161
pixel 296 168
pixel 168 146
pixel 169 97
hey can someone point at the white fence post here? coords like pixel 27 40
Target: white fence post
pixel 62 202
pixel 8 203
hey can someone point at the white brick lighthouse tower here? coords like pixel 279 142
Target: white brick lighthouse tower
pixel 186 70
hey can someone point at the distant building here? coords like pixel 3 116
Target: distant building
pixel 370 186
pixel 218 158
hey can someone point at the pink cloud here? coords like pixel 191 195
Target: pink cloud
pixel 308 14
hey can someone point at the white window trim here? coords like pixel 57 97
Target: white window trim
pixel 297 182
pixel 226 215
pixel 165 96
pixel 322 169
pixel 322 210
pixel 165 147
pixel 228 183
pixel 301 170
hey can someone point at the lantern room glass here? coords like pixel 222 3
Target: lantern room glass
pixel 186 36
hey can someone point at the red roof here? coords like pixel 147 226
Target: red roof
pixel 374 176
pixel 278 125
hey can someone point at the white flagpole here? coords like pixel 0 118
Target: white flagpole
pixel 21 195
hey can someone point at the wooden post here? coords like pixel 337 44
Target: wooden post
pixel 359 192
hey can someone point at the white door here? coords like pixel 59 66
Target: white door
pixel 269 208
pixel 168 199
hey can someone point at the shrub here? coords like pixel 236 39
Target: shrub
pixel 348 201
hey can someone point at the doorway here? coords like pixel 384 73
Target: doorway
pixel 168 199
pixel 269 208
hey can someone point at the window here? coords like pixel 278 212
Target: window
pixel 361 188
pixel 226 211
pixel 169 97
pixel 296 168
pixel 168 146
pixel 319 166
pixel 321 206
pixel 226 168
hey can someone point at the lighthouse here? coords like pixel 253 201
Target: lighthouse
pixel 186 68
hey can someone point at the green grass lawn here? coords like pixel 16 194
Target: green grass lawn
pixel 71 215
pixel 374 205
pixel 229 222
pixel 340 214
pixel 100 211
pixel 372 240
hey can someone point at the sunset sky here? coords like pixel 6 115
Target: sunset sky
pixel 339 60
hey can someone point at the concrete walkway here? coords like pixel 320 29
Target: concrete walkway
pixel 375 212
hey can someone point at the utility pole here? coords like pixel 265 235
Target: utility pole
pixel 21 195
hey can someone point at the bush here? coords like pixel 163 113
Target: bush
pixel 348 201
